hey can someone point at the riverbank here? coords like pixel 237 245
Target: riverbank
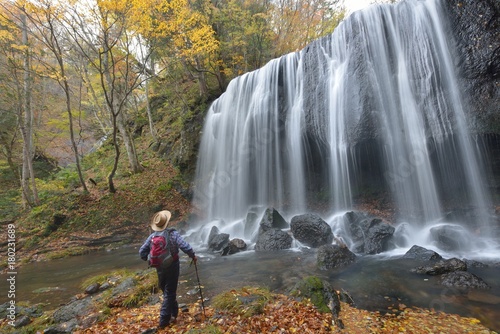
pixel 284 314
pixel 242 310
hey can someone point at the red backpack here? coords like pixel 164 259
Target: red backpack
pixel 159 253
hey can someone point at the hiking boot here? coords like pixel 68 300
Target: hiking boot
pixel 163 324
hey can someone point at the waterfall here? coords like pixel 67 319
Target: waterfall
pixel 375 104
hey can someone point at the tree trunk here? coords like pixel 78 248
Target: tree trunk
pixel 27 128
pixel 152 129
pixel 202 81
pixel 109 95
pixel 128 141
pixel 116 145
pixel 71 131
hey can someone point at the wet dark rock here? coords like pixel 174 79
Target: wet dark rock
pixel 442 267
pixel 22 321
pixel 272 240
pixel 475 264
pixel 63 328
pixel 311 230
pixel 334 256
pixel 272 219
pixel 475 26
pixel 421 254
pixel 93 288
pixel 73 310
pixel 105 286
pixel 450 237
pixel 217 241
pixel 370 234
pixel 463 280
pixel 80 312
pixel 88 320
pixel 235 246
pixel 33 311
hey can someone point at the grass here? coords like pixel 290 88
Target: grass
pixel 102 278
pixel 247 301
pixel 146 285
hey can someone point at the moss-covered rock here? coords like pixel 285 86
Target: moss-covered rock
pixel 247 301
pixel 320 292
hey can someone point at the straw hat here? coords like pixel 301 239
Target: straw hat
pixel 160 220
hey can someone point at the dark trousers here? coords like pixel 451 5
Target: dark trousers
pixel 167 280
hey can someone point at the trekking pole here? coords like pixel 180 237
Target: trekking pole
pixel 199 286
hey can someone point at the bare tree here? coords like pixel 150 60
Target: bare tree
pixel 44 21
pixel 26 126
pixel 105 42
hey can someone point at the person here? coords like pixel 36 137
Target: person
pixel 168 278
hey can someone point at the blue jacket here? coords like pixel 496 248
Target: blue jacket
pixel 176 243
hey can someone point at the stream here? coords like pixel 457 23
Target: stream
pixel 373 282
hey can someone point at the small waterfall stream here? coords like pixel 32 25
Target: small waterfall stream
pixel 375 104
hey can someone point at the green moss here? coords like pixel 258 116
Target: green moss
pixel 148 285
pixel 316 290
pixel 67 252
pixel 102 278
pixel 10 203
pixel 32 243
pixel 246 302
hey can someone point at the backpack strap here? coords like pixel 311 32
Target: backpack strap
pixel 173 248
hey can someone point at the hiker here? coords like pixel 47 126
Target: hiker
pixel 168 275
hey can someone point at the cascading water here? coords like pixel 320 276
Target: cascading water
pixel 375 104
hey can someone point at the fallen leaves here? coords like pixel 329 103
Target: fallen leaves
pixel 283 314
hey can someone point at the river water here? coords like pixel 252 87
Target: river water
pixel 374 282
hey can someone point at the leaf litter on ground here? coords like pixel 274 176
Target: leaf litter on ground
pixel 284 314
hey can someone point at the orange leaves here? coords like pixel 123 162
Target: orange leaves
pixel 283 314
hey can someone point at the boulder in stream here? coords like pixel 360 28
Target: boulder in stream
pixel 273 240
pixel 236 245
pixel 311 230
pixel 217 241
pixel 463 280
pixel 370 234
pixel 442 267
pixel 272 219
pixel 334 256
pixel 421 254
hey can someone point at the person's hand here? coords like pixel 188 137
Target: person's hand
pixel 195 259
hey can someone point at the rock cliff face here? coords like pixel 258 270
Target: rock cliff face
pixel 476 27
